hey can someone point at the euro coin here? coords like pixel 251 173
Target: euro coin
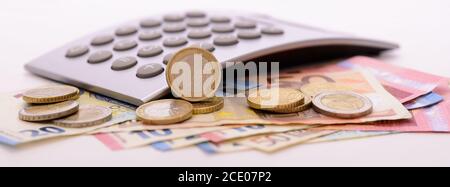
pixel 275 98
pixel 48 112
pixel 305 106
pixel 50 94
pixel 210 106
pixel 312 89
pixel 87 116
pixel 194 74
pixel 163 112
pixel 342 104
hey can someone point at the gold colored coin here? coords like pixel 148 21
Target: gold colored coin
pixel 305 106
pixel 342 104
pixel 275 98
pixel 163 112
pixel 50 94
pixel 206 107
pixel 48 112
pixel 315 88
pixel 194 74
pixel 87 116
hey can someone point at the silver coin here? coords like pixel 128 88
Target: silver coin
pixel 87 116
pixel 342 104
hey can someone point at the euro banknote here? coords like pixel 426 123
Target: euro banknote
pixel 403 83
pixel 349 135
pixel 278 141
pixel 236 110
pixel 424 101
pixel 125 140
pixel 435 118
pixel 223 147
pixel 14 132
pixel 237 146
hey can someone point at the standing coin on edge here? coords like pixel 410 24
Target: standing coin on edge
pixel 48 112
pixel 163 112
pixel 275 98
pixel 206 107
pixel 342 104
pixel 197 66
pixel 50 94
pixel 87 116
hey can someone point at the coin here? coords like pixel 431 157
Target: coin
pixel 194 74
pixel 50 94
pixel 315 88
pixel 162 112
pixel 275 98
pixel 48 112
pixel 305 106
pixel 342 104
pixel 87 116
pixel 206 107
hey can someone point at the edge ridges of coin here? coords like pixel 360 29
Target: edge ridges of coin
pixel 50 100
pixel 307 105
pixel 279 107
pixel 49 116
pixel 84 124
pixel 208 110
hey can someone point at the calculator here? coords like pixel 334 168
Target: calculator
pixel 127 61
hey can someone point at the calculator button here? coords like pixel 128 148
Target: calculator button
pixel 150 51
pixel 150 35
pixel 245 25
pixel 125 45
pixel 198 23
pixel 173 18
pixel 124 63
pixel 199 34
pixel 125 31
pixel 174 28
pixel 272 31
pixel 249 34
pixel 207 46
pixel 226 40
pixel 77 51
pixel 167 58
pixel 149 70
pixel 102 40
pixel 220 19
pixel 99 57
pixel 150 23
pixel 195 14
pixel 175 42
pixel 223 29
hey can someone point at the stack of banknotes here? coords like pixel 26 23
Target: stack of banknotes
pixel 404 100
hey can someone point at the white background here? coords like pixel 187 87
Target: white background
pixel 29 28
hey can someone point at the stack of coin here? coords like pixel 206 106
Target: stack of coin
pixel 342 104
pixel 192 58
pixel 58 103
pixel 278 100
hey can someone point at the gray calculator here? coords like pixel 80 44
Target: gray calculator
pixel 127 61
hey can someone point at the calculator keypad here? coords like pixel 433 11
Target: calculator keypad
pixel 153 36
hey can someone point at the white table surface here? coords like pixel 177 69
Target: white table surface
pixel 30 28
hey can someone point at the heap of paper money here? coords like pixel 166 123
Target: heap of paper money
pixel 403 100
